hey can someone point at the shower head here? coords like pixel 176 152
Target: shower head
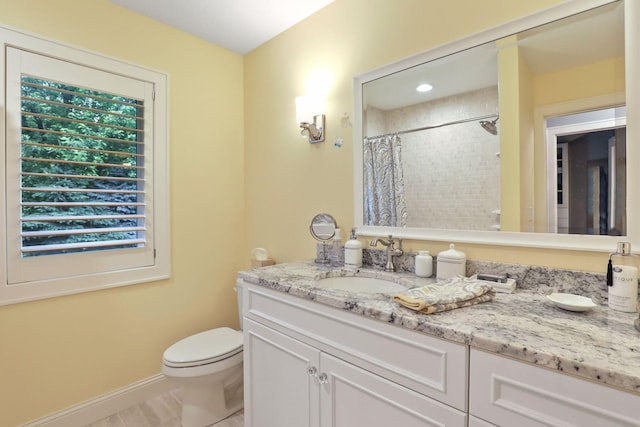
pixel 490 126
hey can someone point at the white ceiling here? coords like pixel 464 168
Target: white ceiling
pixel 462 72
pixel 237 25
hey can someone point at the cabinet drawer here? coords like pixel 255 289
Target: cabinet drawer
pixel 511 393
pixel 430 366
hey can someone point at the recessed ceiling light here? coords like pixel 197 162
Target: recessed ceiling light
pixel 424 87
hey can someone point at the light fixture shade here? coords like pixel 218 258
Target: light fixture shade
pixel 307 107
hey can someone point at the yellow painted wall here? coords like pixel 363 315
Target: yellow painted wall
pixel 59 352
pixel 525 124
pixel 577 83
pixel 235 141
pixel 509 66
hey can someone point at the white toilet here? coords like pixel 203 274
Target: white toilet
pixel 209 367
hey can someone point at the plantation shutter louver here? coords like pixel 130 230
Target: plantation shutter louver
pixel 79 170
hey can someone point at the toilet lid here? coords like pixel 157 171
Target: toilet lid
pixel 204 347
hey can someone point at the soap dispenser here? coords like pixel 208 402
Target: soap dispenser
pixel 623 279
pixel 353 251
pixel 336 252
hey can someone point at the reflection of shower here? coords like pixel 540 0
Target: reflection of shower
pixel 490 126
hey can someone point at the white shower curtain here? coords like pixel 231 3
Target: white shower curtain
pixel 384 203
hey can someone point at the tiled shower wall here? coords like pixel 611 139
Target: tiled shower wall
pixel 452 173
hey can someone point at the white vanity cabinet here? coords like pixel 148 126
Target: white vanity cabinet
pixel 506 392
pixel 291 384
pixel 312 365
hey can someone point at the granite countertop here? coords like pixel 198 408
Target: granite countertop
pixel 600 344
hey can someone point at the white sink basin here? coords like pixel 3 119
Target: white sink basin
pixel 360 284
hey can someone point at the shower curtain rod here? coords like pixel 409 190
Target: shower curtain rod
pixel 402 132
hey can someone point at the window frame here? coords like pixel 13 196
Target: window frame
pixel 113 271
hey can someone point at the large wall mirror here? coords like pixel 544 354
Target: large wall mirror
pixel 516 135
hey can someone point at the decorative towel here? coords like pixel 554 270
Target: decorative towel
pixel 456 292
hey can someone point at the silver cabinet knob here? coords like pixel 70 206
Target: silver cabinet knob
pixel 323 379
pixel 312 371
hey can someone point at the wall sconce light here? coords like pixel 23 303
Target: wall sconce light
pixel 308 107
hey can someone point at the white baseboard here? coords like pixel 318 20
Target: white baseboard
pixel 107 404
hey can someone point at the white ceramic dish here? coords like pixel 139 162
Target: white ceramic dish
pixel 571 302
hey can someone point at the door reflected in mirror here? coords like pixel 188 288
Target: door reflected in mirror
pixel 590 176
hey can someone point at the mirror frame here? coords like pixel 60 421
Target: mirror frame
pixel 332 221
pixel 522 239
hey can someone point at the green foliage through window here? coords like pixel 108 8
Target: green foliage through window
pixel 82 169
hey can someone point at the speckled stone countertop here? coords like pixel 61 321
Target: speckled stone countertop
pixel 600 344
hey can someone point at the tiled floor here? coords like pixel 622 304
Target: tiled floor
pixel 160 411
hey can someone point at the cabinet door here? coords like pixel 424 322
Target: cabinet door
pixel 279 391
pixel 512 393
pixel 351 396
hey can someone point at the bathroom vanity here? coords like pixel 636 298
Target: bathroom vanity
pixel 326 357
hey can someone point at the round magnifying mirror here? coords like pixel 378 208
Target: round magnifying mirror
pixel 323 228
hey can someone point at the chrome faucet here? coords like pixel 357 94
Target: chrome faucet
pixel 391 250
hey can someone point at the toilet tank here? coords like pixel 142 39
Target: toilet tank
pixel 239 291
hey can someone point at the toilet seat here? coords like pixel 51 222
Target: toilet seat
pixel 204 348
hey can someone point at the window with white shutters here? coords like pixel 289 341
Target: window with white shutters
pixel 86 203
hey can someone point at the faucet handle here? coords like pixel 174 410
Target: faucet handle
pixel 393 242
